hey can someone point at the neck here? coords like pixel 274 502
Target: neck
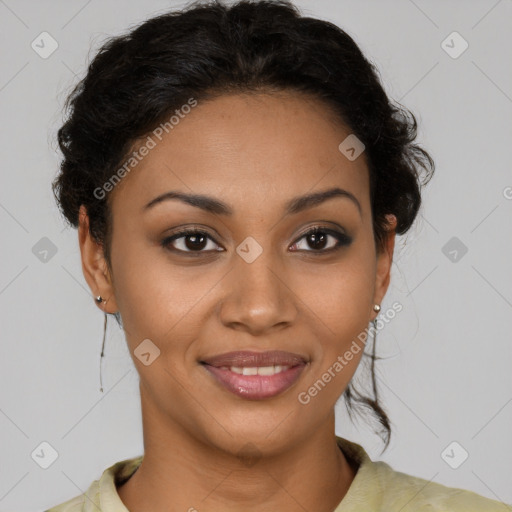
pixel 181 472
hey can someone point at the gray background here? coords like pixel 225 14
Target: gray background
pixel 447 373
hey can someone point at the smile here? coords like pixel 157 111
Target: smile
pixel 256 375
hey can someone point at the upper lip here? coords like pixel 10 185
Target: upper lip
pixel 249 359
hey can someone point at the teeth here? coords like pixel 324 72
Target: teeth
pixel 266 370
pixel 260 370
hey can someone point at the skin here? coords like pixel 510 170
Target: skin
pixel 254 153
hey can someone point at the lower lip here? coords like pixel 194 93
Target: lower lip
pixel 256 387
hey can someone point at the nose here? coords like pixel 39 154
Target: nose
pixel 259 296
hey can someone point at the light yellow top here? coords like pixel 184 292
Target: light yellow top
pixel 376 487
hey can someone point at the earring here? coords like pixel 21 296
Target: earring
pixel 99 300
pixel 376 307
pixel 102 350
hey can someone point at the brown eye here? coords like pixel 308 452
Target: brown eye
pixel 188 240
pixel 318 239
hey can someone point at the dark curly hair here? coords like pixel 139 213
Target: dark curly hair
pixel 137 80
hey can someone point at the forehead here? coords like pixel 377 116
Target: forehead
pixel 257 148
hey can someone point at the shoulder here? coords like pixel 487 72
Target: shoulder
pixel 102 493
pixel 73 505
pixel 378 487
pixel 89 500
pixel 410 493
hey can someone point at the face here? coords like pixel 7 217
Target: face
pixel 249 290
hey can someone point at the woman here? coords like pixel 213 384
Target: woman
pixel 238 176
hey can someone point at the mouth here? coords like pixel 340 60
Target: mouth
pixel 256 375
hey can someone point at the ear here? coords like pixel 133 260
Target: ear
pixel 384 261
pixel 94 265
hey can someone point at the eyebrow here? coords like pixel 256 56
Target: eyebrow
pixel 212 205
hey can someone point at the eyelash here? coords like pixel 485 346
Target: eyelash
pixel 342 240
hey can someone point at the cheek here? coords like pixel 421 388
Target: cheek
pixel 150 297
pixel 340 296
pixel 159 300
pixel 339 301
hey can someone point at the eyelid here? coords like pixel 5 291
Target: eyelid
pixel 322 227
